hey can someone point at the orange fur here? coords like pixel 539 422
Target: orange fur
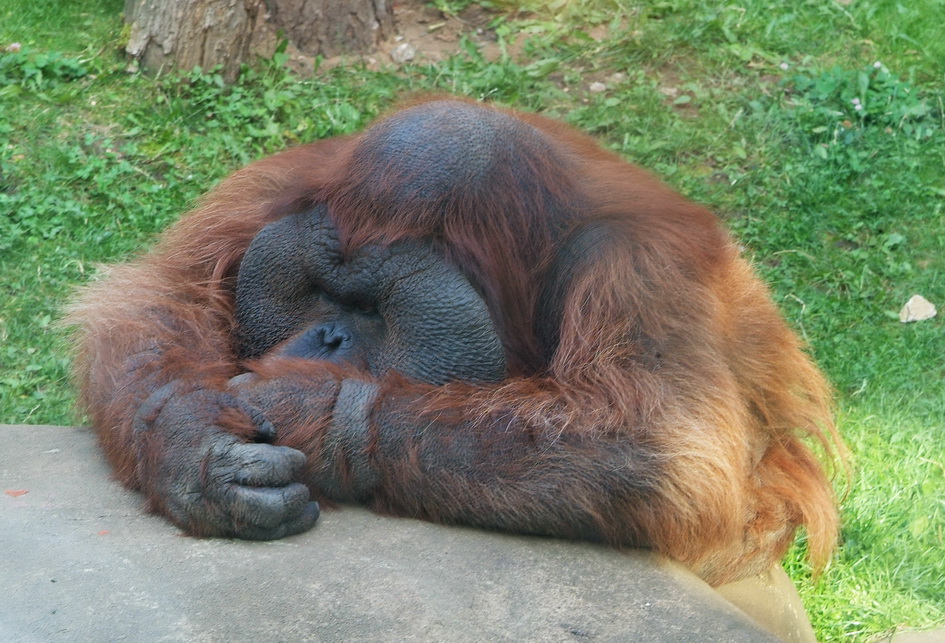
pixel 667 340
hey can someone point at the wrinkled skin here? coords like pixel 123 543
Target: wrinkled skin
pixel 384 308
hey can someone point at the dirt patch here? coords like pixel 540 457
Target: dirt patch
pixel 426 34
pixel 422 34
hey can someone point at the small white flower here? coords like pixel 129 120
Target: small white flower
pixel 856 101
pixel 784 66
pixel 858 107
pixel 877 65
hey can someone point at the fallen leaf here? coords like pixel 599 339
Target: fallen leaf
pixel 16 493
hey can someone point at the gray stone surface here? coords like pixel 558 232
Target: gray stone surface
pixel 81 561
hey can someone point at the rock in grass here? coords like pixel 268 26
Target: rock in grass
pixel 918 308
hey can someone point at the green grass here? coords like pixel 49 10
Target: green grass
pixel 747 106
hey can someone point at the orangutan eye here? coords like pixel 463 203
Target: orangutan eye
pixel 363 306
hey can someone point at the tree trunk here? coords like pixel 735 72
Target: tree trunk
pixel 183 34
pixel 334 27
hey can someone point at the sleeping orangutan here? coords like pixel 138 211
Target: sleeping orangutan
pixel 468 315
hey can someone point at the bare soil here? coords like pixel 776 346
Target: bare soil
pixel 422 34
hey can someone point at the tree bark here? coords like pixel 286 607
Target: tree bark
pixel 183 34
pixel 334 27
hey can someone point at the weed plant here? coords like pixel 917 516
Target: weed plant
pixel 816 129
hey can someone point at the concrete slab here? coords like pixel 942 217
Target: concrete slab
pixel 917 636
pixel 80 560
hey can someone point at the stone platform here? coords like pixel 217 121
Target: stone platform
pixel 81 561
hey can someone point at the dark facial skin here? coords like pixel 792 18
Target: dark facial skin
pixel 397 308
